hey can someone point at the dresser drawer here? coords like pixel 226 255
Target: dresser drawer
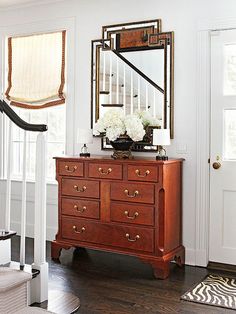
pixel 105 171
pixel 140 193
pixel 80 208
pixel 84 230
pixel 134 238
pixel 143 173
pixel 70 168
pixel 134 214
pixel 81 188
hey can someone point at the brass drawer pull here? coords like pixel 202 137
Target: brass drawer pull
pixel 70 170
pixel 80 210
pixel 77 231
pixel 109 170
pixel 80 190
pixel 138 172
pixel 136 193
pixel 130 217
pixel 132 240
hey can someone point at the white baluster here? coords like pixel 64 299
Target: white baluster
pixel 139 94
pixel 110 80
pixel 124 88
pixel 39 286
pixel 146 96
pixel 23 203
pixel 154 102
pixel 8 183
pixel 117 81
pixel 132 92
pixel 104 71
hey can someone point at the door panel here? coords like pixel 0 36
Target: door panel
pixel 223 148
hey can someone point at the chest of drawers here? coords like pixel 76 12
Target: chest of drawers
pixel 130 207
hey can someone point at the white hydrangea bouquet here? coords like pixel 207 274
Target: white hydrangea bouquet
pixel 114 124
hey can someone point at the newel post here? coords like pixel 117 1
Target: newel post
pixel 39 288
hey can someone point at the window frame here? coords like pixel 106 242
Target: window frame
pixel 67 24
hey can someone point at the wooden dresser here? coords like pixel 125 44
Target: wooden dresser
pixel 130 207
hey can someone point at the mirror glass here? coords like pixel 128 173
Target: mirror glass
pixel 133 70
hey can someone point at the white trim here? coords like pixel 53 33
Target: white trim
pixel 203 134
pixel 203 143
pixel 217 24
pixel 28 5
pixel 190 257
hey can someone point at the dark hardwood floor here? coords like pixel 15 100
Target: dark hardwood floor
pixel 110 283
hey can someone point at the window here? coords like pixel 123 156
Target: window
pixel 54 117
pixel 230 134
pixel 35 87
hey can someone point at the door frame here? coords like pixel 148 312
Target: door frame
pixel 203 112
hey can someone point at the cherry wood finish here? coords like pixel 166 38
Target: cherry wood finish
pixel 80 208
pixel 133 214
pixel 81 188
pixel 67 168
pixel 143 173
pixel 106 171
pixel 133 238
pixel 131 207
pixel 133 192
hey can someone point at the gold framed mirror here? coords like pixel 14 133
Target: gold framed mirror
pixel 132 69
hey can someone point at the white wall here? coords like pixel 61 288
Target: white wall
pixel 180 16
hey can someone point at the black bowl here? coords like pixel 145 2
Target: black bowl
pixel 122 144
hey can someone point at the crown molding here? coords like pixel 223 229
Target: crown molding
pixel 28 5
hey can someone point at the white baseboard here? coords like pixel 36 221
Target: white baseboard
pixel 190 257
pixel 50 233
pixel 201 258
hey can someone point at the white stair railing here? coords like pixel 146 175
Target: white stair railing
pixel 23 203
pixel 8 181
pixel 39 286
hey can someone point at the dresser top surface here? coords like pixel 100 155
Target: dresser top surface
pixel 103 158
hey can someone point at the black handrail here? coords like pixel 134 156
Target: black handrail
pixel 134 68
pixel 138 71
pixel 4 107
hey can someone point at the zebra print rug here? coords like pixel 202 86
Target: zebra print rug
pixel 214 290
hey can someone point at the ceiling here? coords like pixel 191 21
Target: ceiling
pixel 4 4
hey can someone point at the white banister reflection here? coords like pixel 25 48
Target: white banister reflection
pixel 117 81
pixel 110 79
pixel 131 92
pixel 124 88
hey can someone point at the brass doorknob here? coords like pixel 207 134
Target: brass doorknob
pixel 216 165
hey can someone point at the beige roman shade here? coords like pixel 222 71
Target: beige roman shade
pixel 36 70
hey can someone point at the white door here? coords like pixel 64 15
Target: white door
pixel 223 148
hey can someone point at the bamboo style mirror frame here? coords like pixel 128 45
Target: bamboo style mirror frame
pixel 132 68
